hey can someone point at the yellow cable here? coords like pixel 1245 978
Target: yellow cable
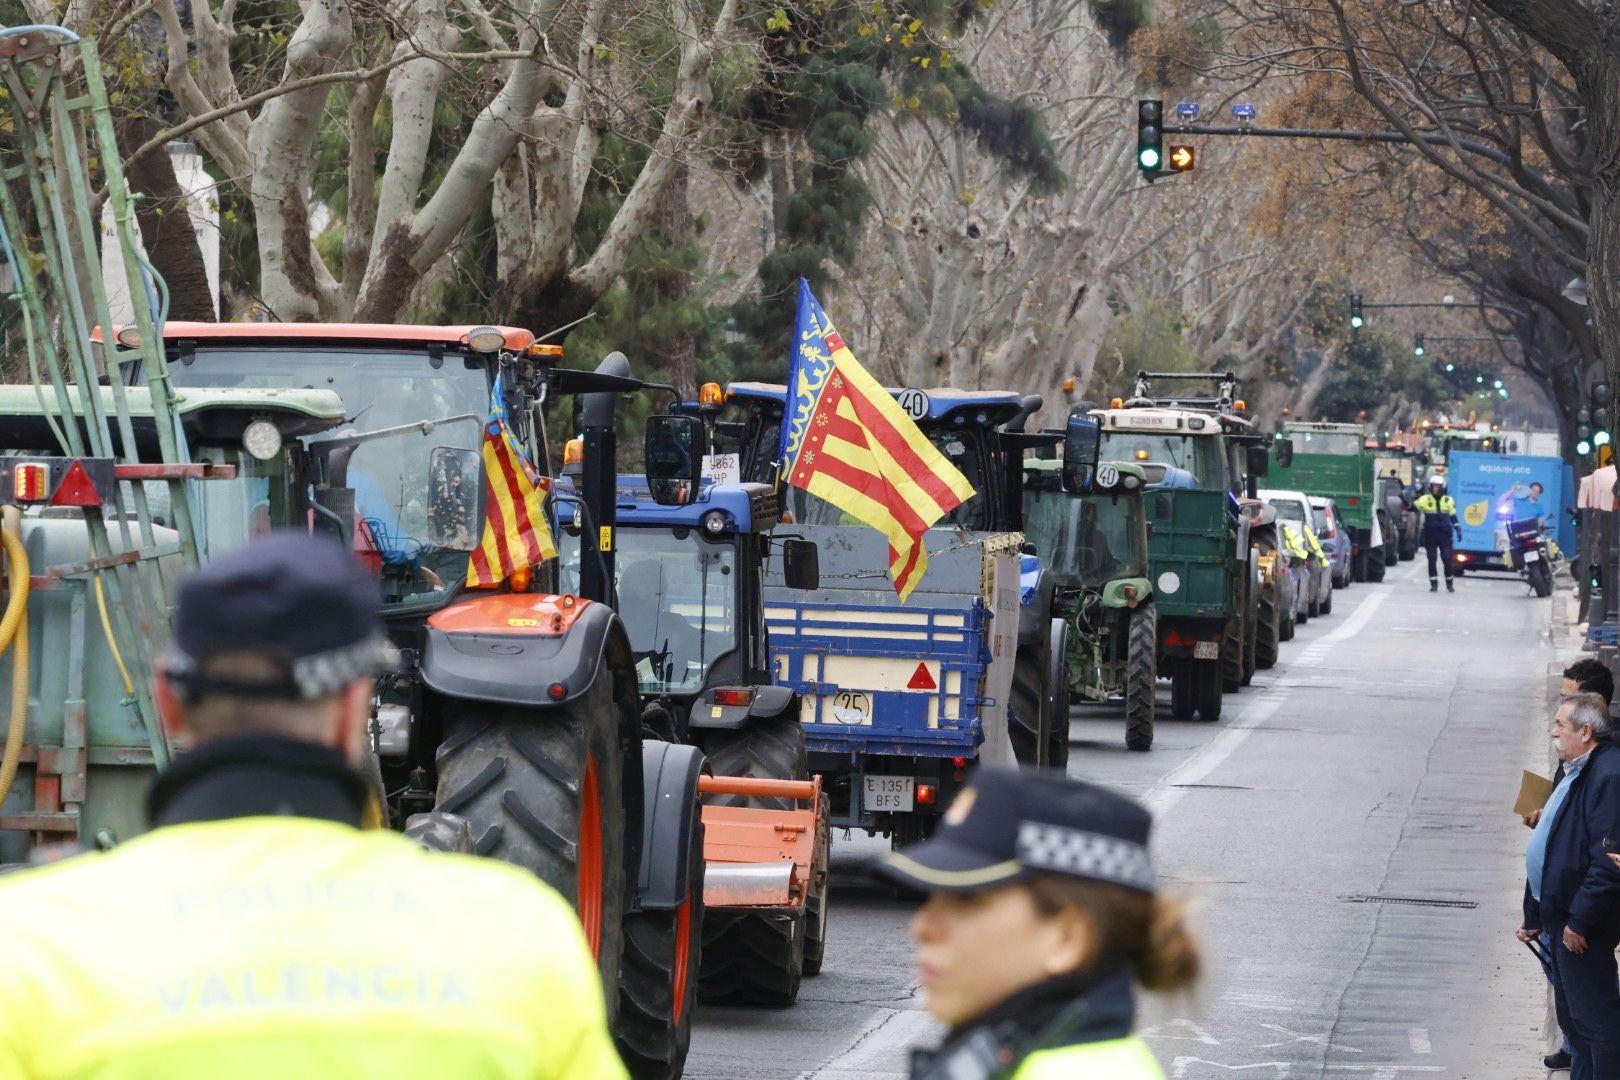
pixel 14 634
pixel 112 642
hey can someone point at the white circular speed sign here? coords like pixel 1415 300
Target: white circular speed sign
pixel 1107 476
pixel 915 402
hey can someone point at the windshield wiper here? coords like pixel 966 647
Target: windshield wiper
pixel 422 427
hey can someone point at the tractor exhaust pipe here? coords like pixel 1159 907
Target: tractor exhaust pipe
pixel 598 476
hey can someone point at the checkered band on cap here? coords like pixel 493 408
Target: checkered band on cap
pixel 1084 854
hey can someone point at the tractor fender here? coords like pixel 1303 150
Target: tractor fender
pixel 487 660
pixel 1036 587
pixel 669 776
pixel 768 701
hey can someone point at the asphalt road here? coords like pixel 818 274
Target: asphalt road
pixel 1343 835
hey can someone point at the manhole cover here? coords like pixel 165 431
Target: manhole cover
pixel 1413 901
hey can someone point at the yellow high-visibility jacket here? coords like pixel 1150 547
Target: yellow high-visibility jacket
pixel 1116 1059
pixel 286 947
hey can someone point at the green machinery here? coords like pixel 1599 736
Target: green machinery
pixel 1095 545
pixel 105 490
pixel 1205 554
pixel 1333 460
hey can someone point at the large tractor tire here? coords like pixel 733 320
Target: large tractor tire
pixel 1375 566
pixel 1327 603
pixel 1141 679
pixel 815 912
pixel 543 789
pixel 1232 641
pixel 1207 689
pixel 1182 703
pixel 1029 723
pixel 755 959
pixel 1268 643
pixel 658 980
pixel 1358 565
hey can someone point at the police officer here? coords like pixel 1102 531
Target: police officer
pixel 1042 914
pixel 257 931
pixel 1439 524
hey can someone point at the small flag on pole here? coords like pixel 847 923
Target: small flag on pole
pixel 846 440
pixel 516 536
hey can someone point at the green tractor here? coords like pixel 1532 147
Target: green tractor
pixel 1095 544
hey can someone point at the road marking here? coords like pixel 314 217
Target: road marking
pixel 1298 1037
pixel 885 1040
pixel 1171 789
pixel 1419 1038
pixel 1199 1035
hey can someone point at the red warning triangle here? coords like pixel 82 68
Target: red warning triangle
pixel 76 488
pixel 922 680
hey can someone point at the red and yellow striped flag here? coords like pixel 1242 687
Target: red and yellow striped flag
pixel 846 440
pixel 516 536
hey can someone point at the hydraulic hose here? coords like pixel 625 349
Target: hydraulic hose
pixel 14 635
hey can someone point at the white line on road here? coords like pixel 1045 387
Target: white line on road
pixel 1170 791
pixel 1419 1038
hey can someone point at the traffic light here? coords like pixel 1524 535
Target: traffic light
pixel 1598 398
pixel 1182 158
pixel 1356 321
pixel 1417 345
pixel 1149 136
pixel 1450 367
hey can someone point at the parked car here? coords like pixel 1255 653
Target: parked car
pixel 1294 512
pixel 1335 539
pixel 1405 523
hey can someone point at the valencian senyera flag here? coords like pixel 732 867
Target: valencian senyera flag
pixel 516 536
pixel 846 440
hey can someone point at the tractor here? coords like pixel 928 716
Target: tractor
pixel 1094 541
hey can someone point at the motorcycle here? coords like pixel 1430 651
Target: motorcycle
pixel 1532 553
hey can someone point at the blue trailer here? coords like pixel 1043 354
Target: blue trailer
pixel 898 700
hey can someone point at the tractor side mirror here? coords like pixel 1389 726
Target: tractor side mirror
pixel 1285 452
pixel 1259 461
pixel 801 564
pixel 452 497
pixel 1082 439
pixel 674 455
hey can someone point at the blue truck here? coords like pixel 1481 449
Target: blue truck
pixel 898 700
pixel 1494 489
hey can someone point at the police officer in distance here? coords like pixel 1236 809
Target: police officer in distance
pixel 1041 915
pixel 257 932
pixel 1439 524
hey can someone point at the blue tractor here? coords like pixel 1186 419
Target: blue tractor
pixel 897 700
pixel 688 561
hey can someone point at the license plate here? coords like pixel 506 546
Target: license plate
pixel 851 707
pixel 890 793
pixel 1532 556
pixel 1207 650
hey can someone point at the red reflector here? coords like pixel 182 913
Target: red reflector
pixel 959 762
pixel 76 488
pixel 28 481
pixel 738 698
pixel 557 691
pixel 926 794
pixel 922 680
pixel 1175 638
pixel 1355 500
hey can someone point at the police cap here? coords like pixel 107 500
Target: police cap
pixel 1008 826
pixel 302 601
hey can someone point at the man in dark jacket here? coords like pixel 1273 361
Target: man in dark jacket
pixel 1572 890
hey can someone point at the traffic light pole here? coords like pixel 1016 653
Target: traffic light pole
pixel 1466 145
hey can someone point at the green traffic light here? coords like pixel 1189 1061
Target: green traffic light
pixel 1417 351
pixel 1148 158
pixel 1583 448
pixel 1479 378
pixel 1357 322
pixel 1450 368
pixel 1601 439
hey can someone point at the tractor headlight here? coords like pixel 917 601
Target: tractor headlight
pixel 485 339
pixel 262 439
pixel 714 522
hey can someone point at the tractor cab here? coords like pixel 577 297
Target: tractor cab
pixel 979 431
pixel 1087 540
